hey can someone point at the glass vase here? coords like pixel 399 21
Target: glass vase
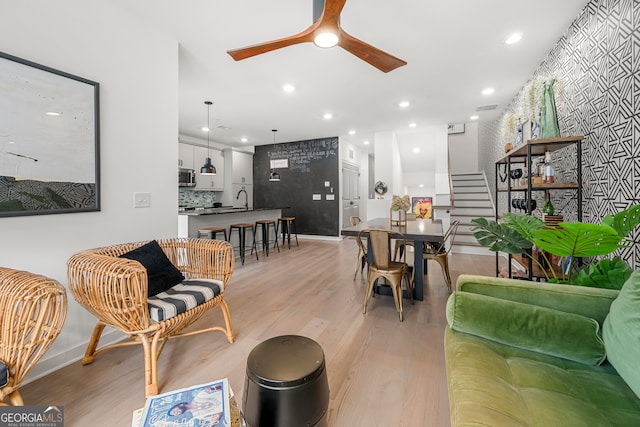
pixel 398 218
pixel 549 117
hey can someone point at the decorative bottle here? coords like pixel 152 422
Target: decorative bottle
pixel 548 171
pixel 547 209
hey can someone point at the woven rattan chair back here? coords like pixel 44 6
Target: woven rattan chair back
pixel 115 290
pixel 32 311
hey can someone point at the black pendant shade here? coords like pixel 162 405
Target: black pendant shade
pixel 208 168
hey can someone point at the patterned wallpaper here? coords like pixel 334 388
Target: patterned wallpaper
pixel 597 64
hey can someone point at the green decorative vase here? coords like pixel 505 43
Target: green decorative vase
pixel 549 117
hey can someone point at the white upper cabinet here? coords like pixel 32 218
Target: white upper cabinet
pixel 185 156
pixel 209 182
pixel 242 168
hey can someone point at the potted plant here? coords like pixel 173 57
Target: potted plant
pixel 518 233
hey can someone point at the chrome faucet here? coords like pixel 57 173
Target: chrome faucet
pixel 246 197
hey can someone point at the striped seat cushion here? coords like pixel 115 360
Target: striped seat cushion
pixel 183 297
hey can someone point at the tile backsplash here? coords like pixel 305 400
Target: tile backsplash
pixel 195 198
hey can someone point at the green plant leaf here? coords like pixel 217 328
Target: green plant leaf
pixel 578 239
pixel 498 237
pixel 524 224
pixel 624 222
pixel 606 273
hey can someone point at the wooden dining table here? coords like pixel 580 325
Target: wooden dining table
pixel 419 231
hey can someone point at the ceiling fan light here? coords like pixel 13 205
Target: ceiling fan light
pixel 325 38
pixel 208 168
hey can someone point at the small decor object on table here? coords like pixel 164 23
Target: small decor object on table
pixel 398 211
pixel 422 207
pixel 198 406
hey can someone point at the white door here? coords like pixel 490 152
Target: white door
pixel 350 192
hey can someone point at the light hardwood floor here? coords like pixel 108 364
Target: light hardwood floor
pixel 381 372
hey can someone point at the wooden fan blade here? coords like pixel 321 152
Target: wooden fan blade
pixel 381 60
pixel 331 12
pixel 249 51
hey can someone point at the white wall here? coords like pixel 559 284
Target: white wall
pixel 137 69
pixel 388 169
pixel 463 149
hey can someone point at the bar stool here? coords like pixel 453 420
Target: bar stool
pixel 242 235
pixel 212 232
pixel 264 225
pixel 288 223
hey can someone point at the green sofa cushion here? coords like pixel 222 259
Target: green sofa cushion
pixel 556 333
pixel 621 333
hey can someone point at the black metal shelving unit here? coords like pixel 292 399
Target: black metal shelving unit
pixel 524 155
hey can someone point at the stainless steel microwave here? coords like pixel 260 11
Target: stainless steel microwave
pixel 186 177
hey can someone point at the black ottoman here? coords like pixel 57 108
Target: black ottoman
pixel 286 384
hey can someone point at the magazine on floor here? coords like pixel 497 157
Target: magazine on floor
pixel 204 405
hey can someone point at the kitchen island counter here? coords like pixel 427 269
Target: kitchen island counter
pixel 189 222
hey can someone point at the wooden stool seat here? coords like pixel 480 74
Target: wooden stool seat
pixel 242 235
pixel 212 232
pixel 288 224
pixel 264 225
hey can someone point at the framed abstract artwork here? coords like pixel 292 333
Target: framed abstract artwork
pixel 49 140
pixel 421 207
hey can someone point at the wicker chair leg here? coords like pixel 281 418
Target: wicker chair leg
pixel 15 398
pixel 150 352
pixel 227 321
pixel 90 352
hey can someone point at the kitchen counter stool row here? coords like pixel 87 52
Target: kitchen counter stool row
pixel 244 230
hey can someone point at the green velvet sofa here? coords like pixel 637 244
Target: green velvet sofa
pixel 522 353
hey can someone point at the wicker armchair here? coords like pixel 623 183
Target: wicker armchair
pixel 32 311
pixel 115 290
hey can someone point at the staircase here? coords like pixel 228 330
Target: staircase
pixel 472 200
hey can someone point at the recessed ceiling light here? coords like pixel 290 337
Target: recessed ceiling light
pixel 327 116
pixel 421 185
pixel 474 117
pixel 412 125
pixel 365 142
pixel 205 129
pixel 288 88
pixel 11 142
pixel 243 140
pixel 488 91
pixel 404 104
pixel 416 150
pixel 352 132
pixel 53 113
pixel 513 38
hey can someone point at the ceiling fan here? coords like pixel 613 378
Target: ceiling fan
pixel 326 32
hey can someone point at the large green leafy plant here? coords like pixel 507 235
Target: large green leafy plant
pixel 518 233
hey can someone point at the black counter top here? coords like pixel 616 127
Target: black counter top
pixel 223 210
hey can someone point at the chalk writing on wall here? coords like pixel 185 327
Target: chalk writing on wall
pixel 302 153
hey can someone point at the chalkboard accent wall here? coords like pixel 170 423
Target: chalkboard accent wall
pixel 308 183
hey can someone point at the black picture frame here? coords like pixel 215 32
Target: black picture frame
pixel 49 140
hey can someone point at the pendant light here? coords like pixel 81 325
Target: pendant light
pixel 208 168
pixel 274 176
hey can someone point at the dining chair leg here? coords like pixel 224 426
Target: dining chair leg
pixel 397 297
pixel 368 294
pixel 444 263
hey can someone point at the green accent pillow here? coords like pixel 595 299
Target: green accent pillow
pixel 621 332
pixel 529 327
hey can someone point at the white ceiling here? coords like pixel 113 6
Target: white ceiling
pixel 454 49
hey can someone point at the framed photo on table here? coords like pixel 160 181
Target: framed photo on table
pixel 422 207
pixel 49 140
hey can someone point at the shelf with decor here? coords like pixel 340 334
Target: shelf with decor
pixel 525 156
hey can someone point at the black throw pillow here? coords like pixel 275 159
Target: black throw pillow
pixel 161 273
